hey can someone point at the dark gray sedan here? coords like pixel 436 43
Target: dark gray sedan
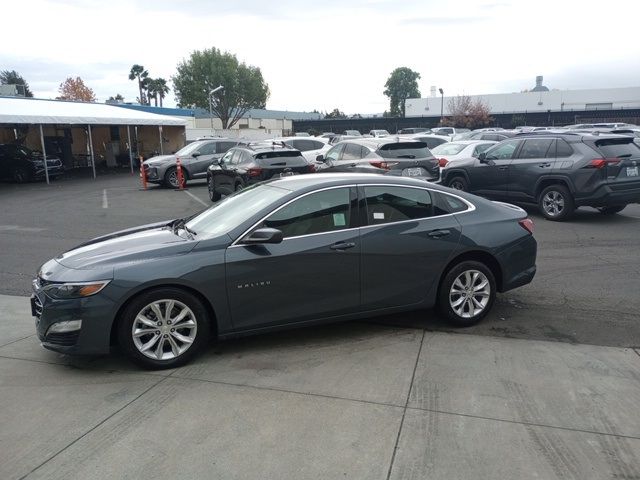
pixel 294 251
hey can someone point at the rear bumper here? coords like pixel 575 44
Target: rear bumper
pixel 518 264
pixel 621 193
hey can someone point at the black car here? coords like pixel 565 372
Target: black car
pixel 559 172
pixel 295 251
pixel 387 155
pixel 245 165
pixel 22 164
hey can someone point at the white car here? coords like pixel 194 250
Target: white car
pixel 379 133
pixel 452 151
pixel 449 131
pixel 310 147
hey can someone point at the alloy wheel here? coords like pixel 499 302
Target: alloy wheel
pixel 173 179
pixel 164 329
pixel 553 203
pixel 470 293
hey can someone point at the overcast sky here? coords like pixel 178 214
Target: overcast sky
pixel 329 53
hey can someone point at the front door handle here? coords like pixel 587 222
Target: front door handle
pixel 544 165
pixel 506 167
pixel 438 233
pixel 340 246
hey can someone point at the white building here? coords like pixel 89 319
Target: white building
pixel 534 101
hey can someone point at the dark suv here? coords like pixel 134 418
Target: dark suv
pixel 557 171
pixel 387 155
pixel 245 165
pixel 22 164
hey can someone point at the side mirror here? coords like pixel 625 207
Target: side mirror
pixel 263 235
pixel 320 158
pixel 195 154
pixel 221 162
pixel 482 157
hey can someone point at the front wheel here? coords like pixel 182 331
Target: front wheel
pixel 20 175
pixel 556 203
pixel 163 328
pixel 611 210
pixel 171 178
pixel 467 293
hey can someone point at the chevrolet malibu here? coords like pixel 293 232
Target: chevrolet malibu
pixel 290 252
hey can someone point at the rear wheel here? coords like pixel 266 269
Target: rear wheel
pixel 467 293
pixel 556 203
pixel 214 196
pixel 239 186
pixel 163 328
pixel 611 210
pixel 459 183
pixel 20 175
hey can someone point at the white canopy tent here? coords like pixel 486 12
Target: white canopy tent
pixel 16 111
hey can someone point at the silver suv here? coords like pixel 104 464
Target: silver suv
pixel 195 158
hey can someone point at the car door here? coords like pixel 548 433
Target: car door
pixel 406 243
pixel 313 273
pixel 225 177
pixel 351 159
pixel 531 162
pixel 490 177
pixel 198 165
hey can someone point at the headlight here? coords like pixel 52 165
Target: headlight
pixel 61 291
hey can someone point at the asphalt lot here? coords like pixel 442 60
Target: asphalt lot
pixel 585 290
pixel 389 398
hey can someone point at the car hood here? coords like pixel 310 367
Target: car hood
pixel 160 159
pixel 134 245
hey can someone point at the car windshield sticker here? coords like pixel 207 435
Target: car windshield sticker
pixel 339 220
pixel 378 216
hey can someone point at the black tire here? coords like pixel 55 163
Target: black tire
pixel 139 304
pixel 458 183
pixel 239 186
pixel 447 298
pixel 556 203
pixel 171 178
pixel 213 195
pixel 611 210
pixel 21 175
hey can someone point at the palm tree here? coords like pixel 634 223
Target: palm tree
pixel 161 88
pixel 138 72
pixel 152 90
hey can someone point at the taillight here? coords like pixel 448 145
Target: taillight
pixel 527 224
pixel 602 162
pixel 380 164
pixel 442 162
pixel 311 168
pixel 254 172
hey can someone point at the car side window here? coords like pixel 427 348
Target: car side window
pixel 325 211
pixel 503 151
pixel 226 159
pixel 207 149
pixel 222 147
pixel 335 153
pixel 304 145
pixel 563 149
pixel 481 148
pixel 535 148
pixel 448 203
pixel 352 151
pixel 388 204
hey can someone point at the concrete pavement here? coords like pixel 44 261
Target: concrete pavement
pixel 354 400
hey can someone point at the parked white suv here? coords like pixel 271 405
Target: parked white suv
pixel 310 147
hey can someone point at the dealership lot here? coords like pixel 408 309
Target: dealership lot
pixel 393 397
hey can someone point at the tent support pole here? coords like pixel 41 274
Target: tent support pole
pixel 129 143
pixel 44 154
pixel 160 133
pixel 93 161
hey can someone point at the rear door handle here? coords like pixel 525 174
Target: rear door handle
pixel 438 233
pixel 342 246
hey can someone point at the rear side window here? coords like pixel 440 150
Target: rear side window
pixel 222 147
pixel 352 151
pixel 535 148
pixel 388 204
pixel 404 150
pixel 319 212
pixel 277 154
pixel 563 149
pixel 618 148
pixel 448 204
pixel 306 145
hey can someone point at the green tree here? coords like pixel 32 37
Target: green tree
pixel 138 72
pixel 244 87
pixel 401 84
pixel 336 113
pixel 157 88
pixel 116 98
pixel 11 77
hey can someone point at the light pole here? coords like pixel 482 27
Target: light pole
pixel 217 89
pixel 441 106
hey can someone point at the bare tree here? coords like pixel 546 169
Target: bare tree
pixel 465 112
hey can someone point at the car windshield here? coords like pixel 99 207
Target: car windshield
pixel 189 149
pixel 448 149
pixel 231 211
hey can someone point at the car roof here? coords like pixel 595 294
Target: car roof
pixel 302 182
pixel 468 142
pixel 375 142
pixel 570 136
pixel 265 147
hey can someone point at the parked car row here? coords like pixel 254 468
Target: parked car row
pixel 21 164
